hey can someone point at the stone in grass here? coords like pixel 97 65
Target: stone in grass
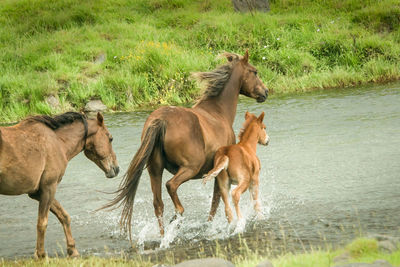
pixel 342 257
pixel 100 59
pixel 209 262
pixel 95 106
pixel 53 102
pixel 265 263
pixel 377 263
pixel 385 242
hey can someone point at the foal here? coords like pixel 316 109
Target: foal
pixel 239 164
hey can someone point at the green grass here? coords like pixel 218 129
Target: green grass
pixel 50 47
pixel 361 250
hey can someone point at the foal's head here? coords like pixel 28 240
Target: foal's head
pixel 98 147
pixel 255 123
pixel 251 86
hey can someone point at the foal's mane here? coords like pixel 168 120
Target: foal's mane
pixel 59 120
pixel 245 126
pixel 213 82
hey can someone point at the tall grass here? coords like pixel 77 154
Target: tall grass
pixel 151 46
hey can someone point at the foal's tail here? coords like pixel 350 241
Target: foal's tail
pixel 153 136
pixel 220 163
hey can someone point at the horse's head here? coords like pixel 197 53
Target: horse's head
pixel 251 85
pixel 263 138
pixel 98 147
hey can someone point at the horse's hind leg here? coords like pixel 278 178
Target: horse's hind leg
pixel 184 174
pixel 155 168
pixel 215 200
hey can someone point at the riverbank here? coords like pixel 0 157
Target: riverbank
pixel 57 55
pixel 360 250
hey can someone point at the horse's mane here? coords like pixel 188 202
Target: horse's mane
pixel 213 82
pixel 59 120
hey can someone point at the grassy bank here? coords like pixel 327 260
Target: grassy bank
pixel 139 54
pixel 360 250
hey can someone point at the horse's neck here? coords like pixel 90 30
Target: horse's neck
pixel 71 137
pixel 250 138
pixel 225 103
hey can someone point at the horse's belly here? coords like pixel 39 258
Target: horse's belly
pixel 16 183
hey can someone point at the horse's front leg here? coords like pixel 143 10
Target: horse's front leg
pixel 65 220
pixel 46 196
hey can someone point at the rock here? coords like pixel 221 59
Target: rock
pixel 382 263
pixel 100 59
pixel 95 106
pixel 343 257
pixel 377 263
pixel 265 263
pixel 207 262
pixel 53 102
pixel 387 246
pixel 386 243
pixel 250 5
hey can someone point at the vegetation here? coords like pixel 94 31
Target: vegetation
pixel 138 54
pixel 361 250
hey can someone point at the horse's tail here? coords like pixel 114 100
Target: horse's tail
pixel 153 135
pixel 220 163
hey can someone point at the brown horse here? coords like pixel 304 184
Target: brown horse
pixel 184 140
pixel 34 155
pixel 239 164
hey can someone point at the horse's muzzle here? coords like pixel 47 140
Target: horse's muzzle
pixel 262 97
pixel 113 172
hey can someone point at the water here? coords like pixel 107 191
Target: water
pixel 330 173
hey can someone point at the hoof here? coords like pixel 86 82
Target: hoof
pixel 73 253
pixel 39 255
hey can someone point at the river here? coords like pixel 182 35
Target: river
pixel 330 173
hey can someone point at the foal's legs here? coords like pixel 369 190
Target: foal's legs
pixel 236 193
pixel 254 184
pixel 155 169
pixel 184 174
pixel 224 186
pixel 65 220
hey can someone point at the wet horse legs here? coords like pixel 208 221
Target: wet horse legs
pixel 64 219
pixel 215 201
pixel 155 170
pixel 184 174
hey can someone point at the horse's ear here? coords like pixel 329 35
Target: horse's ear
pixel 246 116
pixel 246 57
pixel 261 117
pixel 100 119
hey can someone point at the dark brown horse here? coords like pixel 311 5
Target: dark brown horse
pixel 184 140
pixel 239 164
pixel 34 155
